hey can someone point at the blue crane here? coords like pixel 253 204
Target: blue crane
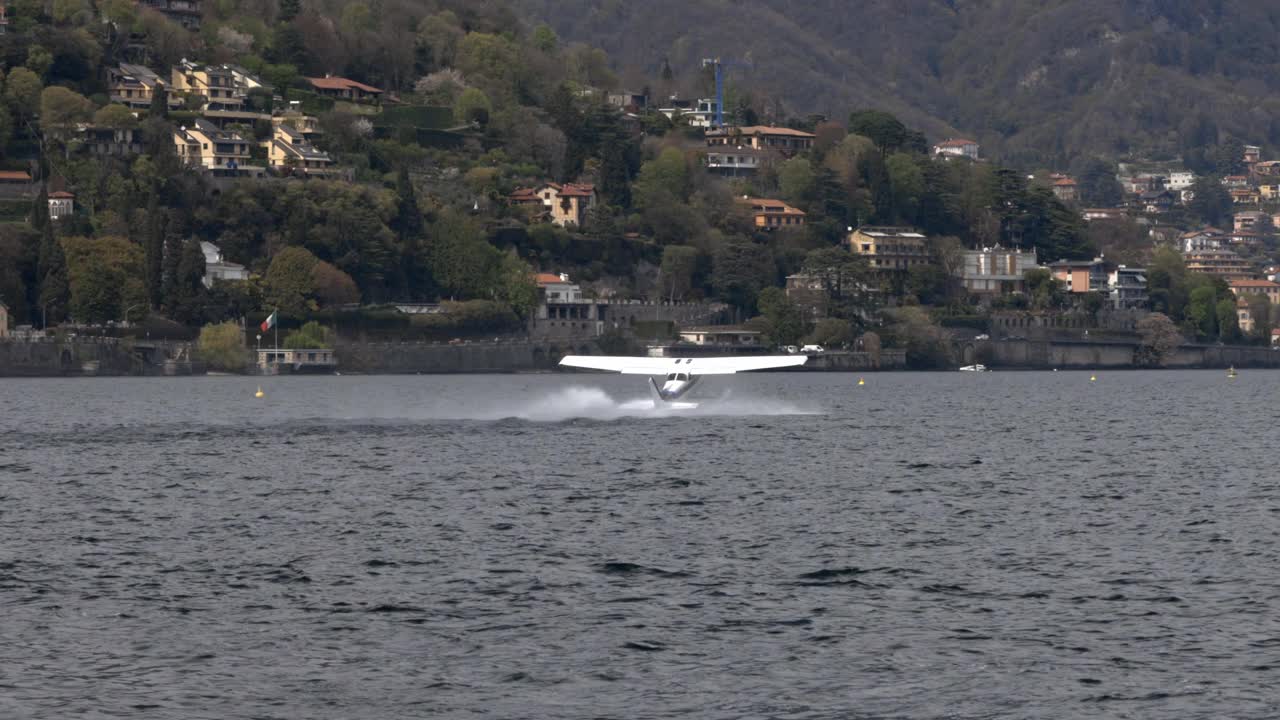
pixel 717 120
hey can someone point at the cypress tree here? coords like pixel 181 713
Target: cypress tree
pixel 289 10
pixel 408 220
pixel 52 270
pixel 159 102
pixel 40 208
pixel 154 248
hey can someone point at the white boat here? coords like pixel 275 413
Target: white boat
pixel 974 368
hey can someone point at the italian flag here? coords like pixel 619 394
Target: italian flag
pixel 269 322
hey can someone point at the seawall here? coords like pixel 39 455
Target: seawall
pixel 472 357
pixel 1087 354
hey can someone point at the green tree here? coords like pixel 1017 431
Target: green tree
pixel 159 103
pixel 831 333
pixel 783 320
pixel 845 279
pixel 885 130
pixel 545 39
pixel 927 345
pixel 493 59
pixel 104 276
pixel 929 283
pixel 796 180
pixel 310 335
pixel 515 285
pixel 1228 157
pixel 289 10
pixel 185 300
pixel 1210 202
pixel 60 107
pixel 1045 291
pixel 1202 311
pixel 679 262
pixel 461 259
pixel 1228 320
pixel 906 180
pixel 153 250
pixel 39 60
pixel 1098 184
pixel 740 270
pixel 472 106
pixel 289 282
pixel 662 180
pixel 222 347
pixel 116 117
pixel 356 17
pixel 55 289
pixel 22 92
pixel 1166 277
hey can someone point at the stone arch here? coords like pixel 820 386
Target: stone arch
pixel 64 359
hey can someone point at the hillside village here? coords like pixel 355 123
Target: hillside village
pixel 207 174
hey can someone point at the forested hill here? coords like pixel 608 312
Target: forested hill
pixel 1035 82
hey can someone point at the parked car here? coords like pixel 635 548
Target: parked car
pixel 812 349
pixel 790 349
pixel 983 336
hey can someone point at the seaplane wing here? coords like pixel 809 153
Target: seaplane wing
pixel 689 366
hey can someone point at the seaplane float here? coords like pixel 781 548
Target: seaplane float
pixel 680 374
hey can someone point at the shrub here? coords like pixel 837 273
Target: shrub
pixel 222 347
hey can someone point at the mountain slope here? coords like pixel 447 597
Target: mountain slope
pixel 1035 82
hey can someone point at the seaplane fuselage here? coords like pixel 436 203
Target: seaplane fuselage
pixel 675 386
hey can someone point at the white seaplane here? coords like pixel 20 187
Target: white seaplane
pixel 681 373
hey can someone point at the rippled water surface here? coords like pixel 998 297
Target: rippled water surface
pixel 1007 545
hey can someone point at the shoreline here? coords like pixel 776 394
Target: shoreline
pixel 95 359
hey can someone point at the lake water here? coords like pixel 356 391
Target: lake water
pixel 1003 545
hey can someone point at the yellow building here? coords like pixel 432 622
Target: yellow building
pixel 1266 288
pixel 215 84
pixel 308 125
pixel 133 86
pixel 202 144
pixel 562 205
pixel 895 249
pixel 773 214
pixel 1219 263
pixel 344 89
pixel 288 151
pixel 1244 317
pixel 761 137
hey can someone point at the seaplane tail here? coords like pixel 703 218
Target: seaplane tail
pixel 681 373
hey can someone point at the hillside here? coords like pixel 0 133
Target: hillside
pixel 324 163
pixel 1034 82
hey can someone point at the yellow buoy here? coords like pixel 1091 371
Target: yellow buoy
pixel 259 393
pixel 1093 378
pixel 861 381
